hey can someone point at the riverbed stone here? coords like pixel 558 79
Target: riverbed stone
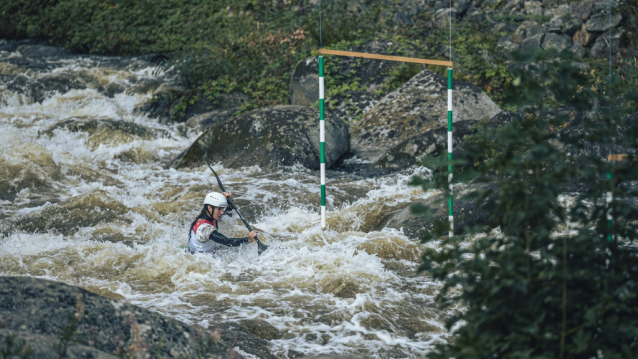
pixel 268 137
pixel 572 25
pixel 600 22
pixel 466 212
pixel 556 41
pixel 600 49
pixel 40 51
pixel 304 82
pixel 351 107
pixel 442 18
pixel 205 120
pixel 556 24
pixel 578 50
pixel 414 108
pixel 39 309
pixel 532 43
pixel 431 143
pixel 581 9
pixel 261 328
pixel 552 10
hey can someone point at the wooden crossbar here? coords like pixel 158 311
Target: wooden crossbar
pixel 385 57
pixel 618 157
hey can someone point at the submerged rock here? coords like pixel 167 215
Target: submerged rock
pixel 414 108
pixel 39 311
pixel 268 137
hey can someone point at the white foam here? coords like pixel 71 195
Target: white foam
pixel 295 288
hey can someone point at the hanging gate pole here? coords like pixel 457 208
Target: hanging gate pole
pixel 449 151
pixel 322 146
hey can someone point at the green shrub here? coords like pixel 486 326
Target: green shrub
pixel 556 280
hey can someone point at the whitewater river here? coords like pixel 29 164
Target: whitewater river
pixel 85 199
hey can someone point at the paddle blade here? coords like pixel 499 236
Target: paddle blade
pixel 261 247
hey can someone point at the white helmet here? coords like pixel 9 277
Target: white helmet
pixel 216 199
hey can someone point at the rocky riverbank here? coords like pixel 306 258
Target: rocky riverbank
pixel 59 320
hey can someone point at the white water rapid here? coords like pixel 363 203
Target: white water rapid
pixel 85 199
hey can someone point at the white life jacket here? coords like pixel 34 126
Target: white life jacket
pixel 198 240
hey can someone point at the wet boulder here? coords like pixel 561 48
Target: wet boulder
pixel 304 82
pixel 431 143
pixel 466 212
pixel 39 311
pixel 261 328
pixel 207 119
pixel 268 137
pixel 414 108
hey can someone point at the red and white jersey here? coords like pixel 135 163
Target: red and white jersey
pixel 198 240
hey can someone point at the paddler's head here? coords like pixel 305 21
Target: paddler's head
pixel 215 204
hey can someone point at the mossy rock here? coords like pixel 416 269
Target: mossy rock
pixel 415 108
pixel 37 309
pixel 268 137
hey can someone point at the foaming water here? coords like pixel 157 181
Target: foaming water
pixel 86 200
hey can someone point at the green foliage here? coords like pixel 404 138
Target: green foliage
pixel 555 280
pixel 10 348
pixel 252 46
pixel 67 333
pixel 399 75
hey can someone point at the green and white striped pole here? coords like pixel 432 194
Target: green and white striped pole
pixel 610 218
pixel 322 146
pixel 449 150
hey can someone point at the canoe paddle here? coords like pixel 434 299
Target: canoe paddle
pixel 260 246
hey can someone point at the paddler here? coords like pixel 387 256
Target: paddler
pixel 203 234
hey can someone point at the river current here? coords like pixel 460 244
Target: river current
pixel 86 199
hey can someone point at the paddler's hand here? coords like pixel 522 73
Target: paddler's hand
pixel 227 194
pixel 251 236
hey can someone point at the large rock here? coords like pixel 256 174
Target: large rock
pixel 526 30
pixel 414 108
pixel 572 25
pixel 443 17
pixel 304 83
pixel 578 50
pixel 348 105
pixel 600 22
pixel 581 9
pixel 268 137
pixel 556 41
pixel 40 311
pixel 44 347
pixel 532 43
pixel 432 143
pixel 600 49
pixel 466 212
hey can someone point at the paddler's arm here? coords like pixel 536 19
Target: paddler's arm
pixel 232 242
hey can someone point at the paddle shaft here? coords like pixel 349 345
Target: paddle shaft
pixel 262 247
